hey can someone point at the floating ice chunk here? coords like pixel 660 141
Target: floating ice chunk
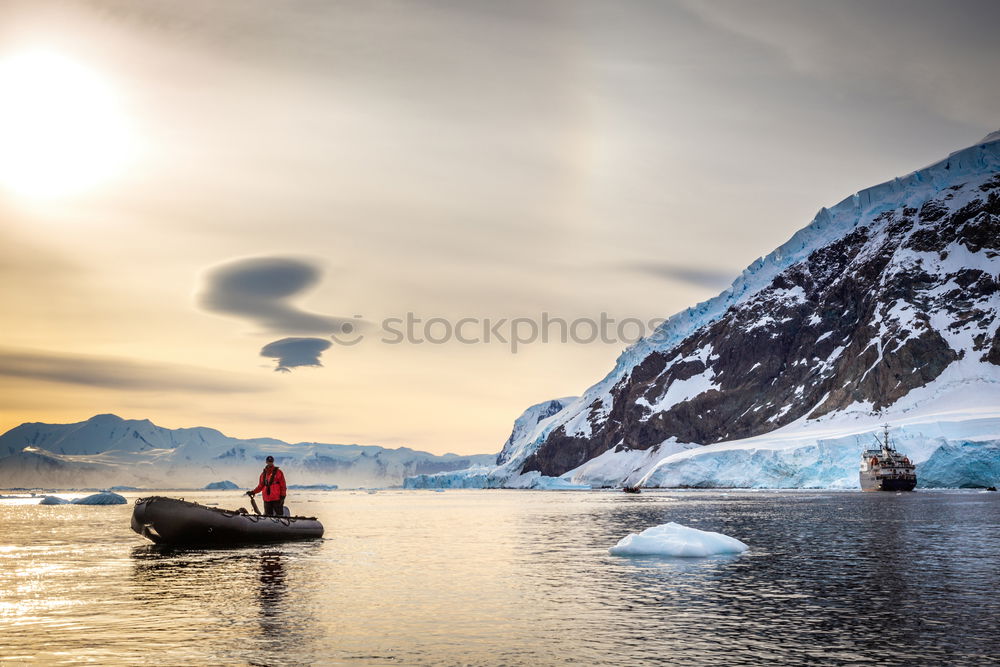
pixel 101 499
pixel 673 539
pixel 53 500
pixel 224 485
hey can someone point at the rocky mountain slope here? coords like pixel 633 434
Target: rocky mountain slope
pixel 889 295
pixel 896 284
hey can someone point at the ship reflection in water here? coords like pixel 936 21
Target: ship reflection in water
pixel 886 469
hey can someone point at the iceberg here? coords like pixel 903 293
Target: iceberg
pixel 53 500
pixel 224 485
pixel 675 540
pixel 106 498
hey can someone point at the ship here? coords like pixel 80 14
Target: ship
pixel 886 469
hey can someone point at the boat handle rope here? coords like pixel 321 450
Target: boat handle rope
pixel 229 514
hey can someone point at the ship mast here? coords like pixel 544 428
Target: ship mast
pixel 884 441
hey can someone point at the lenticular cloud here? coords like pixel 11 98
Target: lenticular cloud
pixel 293 352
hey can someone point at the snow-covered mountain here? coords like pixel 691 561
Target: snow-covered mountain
pixel 106 450
pixel 526 428
pixel 883 308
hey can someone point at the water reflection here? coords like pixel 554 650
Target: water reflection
pixel 685 566
pixel 271 592
pixel 863 577
pixel 519 578
pixel 240 593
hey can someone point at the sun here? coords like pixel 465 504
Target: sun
pixel 62 130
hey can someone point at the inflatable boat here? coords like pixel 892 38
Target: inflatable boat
pixel 175 521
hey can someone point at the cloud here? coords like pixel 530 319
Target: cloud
pixel 293 352
pixel 114 373
pixel 934 54
pixel 709 278
pixel 260 289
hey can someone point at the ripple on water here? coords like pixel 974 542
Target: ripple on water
pixel 488 577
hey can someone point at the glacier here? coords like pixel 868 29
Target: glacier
pixel 932 425
pixel 478 477
pixel 486 477
pixel 962 464
pixel 950 428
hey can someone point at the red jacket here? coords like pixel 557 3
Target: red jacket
pixel 273 484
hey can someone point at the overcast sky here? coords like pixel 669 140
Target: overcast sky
pixel 298 167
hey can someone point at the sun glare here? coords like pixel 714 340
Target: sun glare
pixel 61 129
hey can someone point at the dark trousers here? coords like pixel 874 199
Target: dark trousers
pixel 274 507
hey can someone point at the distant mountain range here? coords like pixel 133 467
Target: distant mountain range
pixel 107 450
pixel 884 308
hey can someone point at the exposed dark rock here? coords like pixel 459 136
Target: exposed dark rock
pixel 851 324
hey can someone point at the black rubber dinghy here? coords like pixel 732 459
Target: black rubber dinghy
pixel 175 521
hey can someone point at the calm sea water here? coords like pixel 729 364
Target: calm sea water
pixel 515 578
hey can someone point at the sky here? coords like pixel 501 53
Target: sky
pixel 224 214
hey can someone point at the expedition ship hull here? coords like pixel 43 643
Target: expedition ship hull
pixel 871 482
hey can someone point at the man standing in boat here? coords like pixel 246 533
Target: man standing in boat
pixel 272 483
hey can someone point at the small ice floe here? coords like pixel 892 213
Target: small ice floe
pixel 673 539
pixel 224 485
pixel 105 498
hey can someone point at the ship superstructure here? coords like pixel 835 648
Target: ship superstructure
pixel 885 469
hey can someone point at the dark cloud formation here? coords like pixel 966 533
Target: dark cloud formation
pixel 114 373
pixel 260 290
pixel 709 278
pixel 293 352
